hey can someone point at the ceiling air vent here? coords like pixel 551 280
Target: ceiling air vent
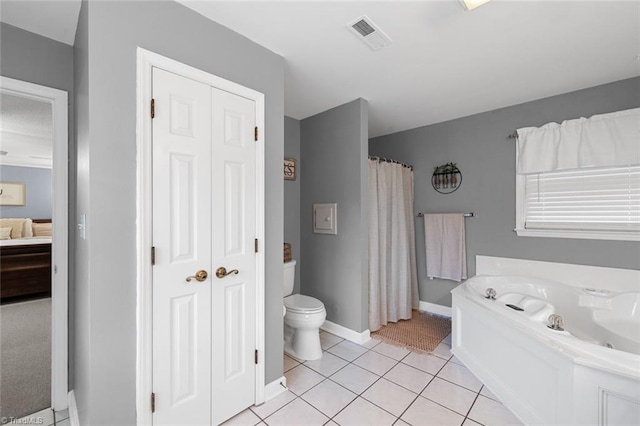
pixel 370 34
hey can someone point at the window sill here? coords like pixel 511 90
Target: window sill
pixel 579 234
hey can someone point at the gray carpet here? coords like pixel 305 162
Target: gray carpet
pixel 25 357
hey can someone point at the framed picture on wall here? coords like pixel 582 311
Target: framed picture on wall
pixel 290 169
pixel 12 194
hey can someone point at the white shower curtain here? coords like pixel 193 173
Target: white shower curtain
pixel 393 281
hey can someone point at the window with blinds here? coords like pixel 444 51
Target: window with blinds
pixel 592 199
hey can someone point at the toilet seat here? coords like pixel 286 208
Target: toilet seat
pixel 300 303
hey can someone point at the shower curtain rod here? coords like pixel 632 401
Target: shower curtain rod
pixel 472 214
pixel 381 159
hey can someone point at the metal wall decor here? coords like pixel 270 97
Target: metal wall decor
pixel 446 178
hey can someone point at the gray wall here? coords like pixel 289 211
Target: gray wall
pixel 334 164
pixel 81 331
pixel 486 157
pixel 39 190
pixel 29 57
pixel 292 195
pixel 109 35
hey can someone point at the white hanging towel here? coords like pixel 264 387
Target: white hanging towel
pixel 445 246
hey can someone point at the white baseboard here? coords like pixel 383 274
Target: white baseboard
pixel 74 419
pixel 275 388
pixel 432 308
pixel 346 333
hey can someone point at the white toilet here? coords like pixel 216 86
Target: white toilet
pixel 302 320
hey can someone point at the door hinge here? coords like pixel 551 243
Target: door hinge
pixel 153 108
pixel 255 133
pixel 256 356
pixel 153 256
pixel 153 402
pixel 255 245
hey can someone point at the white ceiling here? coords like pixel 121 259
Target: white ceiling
pixel 55 19
pixel 443 62
pixel 26 132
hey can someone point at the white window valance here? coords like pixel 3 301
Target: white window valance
pixel 605 140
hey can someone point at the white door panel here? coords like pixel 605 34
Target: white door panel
pixel 234 348
pixel 234 175
pixel 183 347
pixel 181 236
pixel 182 169
pixel 234 219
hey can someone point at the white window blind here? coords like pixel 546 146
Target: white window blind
pixel 584 199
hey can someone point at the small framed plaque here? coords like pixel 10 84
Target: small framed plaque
pixel 290 169
pixel 12 194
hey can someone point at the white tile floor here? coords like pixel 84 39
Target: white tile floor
pixel 378 384
pixel 46 417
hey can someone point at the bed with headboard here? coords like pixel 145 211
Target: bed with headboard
pixel 25 259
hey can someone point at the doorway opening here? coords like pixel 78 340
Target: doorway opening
pixel 34 205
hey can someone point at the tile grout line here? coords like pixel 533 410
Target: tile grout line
pixel 413 401
pixel 359 395
pixel 270 414
pixel 470 408
pixel 356 394
pixel 420 393
pixel 457 384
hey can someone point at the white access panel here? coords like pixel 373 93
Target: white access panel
pixel 324 218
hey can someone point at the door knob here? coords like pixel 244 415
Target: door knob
pixel 200 276
pixel 221 272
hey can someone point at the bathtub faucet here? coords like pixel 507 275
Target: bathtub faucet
pixel 490 294
pixel 555 322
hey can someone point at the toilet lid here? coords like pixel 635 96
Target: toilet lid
pixel 302 303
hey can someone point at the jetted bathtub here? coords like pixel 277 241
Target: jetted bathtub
pixel 586 373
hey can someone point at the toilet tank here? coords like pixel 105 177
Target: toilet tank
pixel 289 277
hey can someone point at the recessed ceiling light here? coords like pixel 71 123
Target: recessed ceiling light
pixel 472 4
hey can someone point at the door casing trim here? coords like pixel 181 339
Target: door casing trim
pixel 146 60
pixel 59 101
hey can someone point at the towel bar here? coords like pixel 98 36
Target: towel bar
pixel 472 214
